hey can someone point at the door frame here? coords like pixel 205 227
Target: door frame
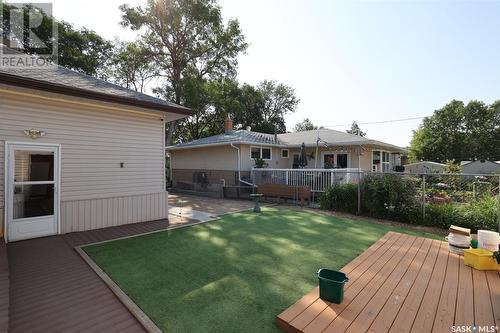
pixel 8 182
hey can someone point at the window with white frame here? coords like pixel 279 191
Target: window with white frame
pixel 386 164
pixel 284 153
pixel 260 152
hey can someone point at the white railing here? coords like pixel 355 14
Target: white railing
pixel 317 179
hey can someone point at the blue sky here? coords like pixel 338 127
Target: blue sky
pixel 355 60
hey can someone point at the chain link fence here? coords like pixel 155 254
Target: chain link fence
pixel 471 200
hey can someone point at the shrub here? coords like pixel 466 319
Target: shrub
pixel 390 197
pixel 342 198
pixel 479 214
pixel 441 215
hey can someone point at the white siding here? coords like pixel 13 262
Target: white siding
pixel 94 142
pixel 79 215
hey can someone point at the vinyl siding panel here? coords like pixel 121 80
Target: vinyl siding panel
pixel 80 215
pixel 95 191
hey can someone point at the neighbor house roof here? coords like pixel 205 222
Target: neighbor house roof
pixel 309 138
pixel 426 162
pixel 58 79
pixel 331 137
pixel 234 137
pixel 464 163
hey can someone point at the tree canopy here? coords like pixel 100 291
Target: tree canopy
pixel 82 50
pixel 356 130
pixel 459 132
pixel 132 66
pixel 304 125
pixel 192 46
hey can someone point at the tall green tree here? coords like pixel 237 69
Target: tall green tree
pixel 458 132
pixel 279 100
pixel 82 50
pixel 304 125
pixel 192 46
pixel 132 66
pixel 356 130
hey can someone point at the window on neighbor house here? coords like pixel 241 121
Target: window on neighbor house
pixel 386 164
pixel 284 153
pixel 341 161
pixel 254 152
pixel 266 153
pixel 259 152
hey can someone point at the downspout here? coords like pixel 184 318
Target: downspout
pixel 239 167
pixel 239 162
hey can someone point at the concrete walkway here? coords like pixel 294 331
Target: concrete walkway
pixel 190 204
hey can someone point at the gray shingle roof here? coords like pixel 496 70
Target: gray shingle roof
pixel 328 136
pixel 238 136
pixel 62 77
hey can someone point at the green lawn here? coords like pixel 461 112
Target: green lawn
pixel 235 274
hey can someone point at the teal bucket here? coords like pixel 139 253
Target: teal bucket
pixel 331 285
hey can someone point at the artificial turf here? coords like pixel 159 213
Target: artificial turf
pixel 235 274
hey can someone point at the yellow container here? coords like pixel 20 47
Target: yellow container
pixel 480 259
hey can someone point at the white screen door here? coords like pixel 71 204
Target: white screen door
pixel 32 191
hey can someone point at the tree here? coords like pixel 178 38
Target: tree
pixel 356 130
pixel 192 46
pixel 82 50
pixel 458 132
pixel 132 66
pixel 304 125
pixel 279 100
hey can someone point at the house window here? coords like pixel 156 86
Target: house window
pixel 259 152
pixel 266 153
pixel 284 153
pixel 386 164
pixel 333 160
pixel 329 161
pixel 254 152
pixel 296 161
pixel 342 161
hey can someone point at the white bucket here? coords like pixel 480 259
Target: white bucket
pixel 457 243
pixel 458 240
pixel 488 240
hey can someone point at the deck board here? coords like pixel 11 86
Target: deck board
pixel 402 283
pixel 386 316
pixel 310 305
pixel 318 321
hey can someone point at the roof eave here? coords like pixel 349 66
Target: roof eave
pixel 170 148
pixel 23 82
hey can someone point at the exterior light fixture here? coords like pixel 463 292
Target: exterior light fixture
pixel 34 133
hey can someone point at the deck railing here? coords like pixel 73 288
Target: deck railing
pixel 317 179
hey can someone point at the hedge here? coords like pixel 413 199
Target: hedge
pixel 397 198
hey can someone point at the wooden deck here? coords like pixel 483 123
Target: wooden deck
pixel 402 284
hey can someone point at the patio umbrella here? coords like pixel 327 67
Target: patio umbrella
pixel 303 156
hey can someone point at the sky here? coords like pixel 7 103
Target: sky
pixel 363 61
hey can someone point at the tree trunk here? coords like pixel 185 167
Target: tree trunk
pixel 171 126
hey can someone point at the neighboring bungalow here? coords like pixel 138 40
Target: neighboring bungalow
pixel 229 157
pixel 480 167
pixel 77 153
pixel 425 167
